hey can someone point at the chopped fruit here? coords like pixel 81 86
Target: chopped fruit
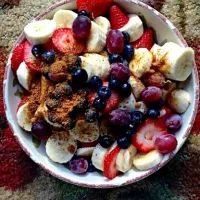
pixel 151 94
pixel 48 57
pixel 110 168
pixel 106 141
pixel 104 92
pixel 79 77
pixel 48 46
pixel 99 104
pixel 33 63
pixel 124 142
pixel 137 117
pixel 95 82
pixel 125 90
pixel 38 50
pixel 112 102
pixel 166 143
pixel 165 113
pixel 146 41
pixel 78 166
pixel 153 113
pixel 17 57
pixel 92 96
pixel 156 79
pixel 118 18
pixel 95 7
pixel 128 52
pixel 91 115
pixel 22 102
pixel 173 122
pixel 144 139
pixel 114 84
pixel 114 58
pixel 89 144
pixel 64 42
pixel 84 13
pixel 126 37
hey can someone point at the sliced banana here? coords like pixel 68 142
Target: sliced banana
pixel 128 103
pixel 61 147
pixel 146 161
pixel 179 100
pixel 64 18
pixel 24 117
pixel 24 76
pixel 97 39
pixel 87 151
pixel 141 62
pixel 104 23
pixel 125 157
pixel 136 85
pixel 134 27
pixel 85 132
pixel 39 32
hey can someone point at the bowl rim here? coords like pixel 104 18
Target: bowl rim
pixel 131 179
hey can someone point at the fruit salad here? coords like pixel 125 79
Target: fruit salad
pixel 100 91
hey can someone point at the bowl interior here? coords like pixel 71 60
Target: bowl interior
pixel 165 32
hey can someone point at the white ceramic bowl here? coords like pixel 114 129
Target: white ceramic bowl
pixel 165 31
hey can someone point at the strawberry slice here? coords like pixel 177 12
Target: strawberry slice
pixel 17 57
pixel 165 113
pixel 110 168
pixel 147 133
pixel 64 42
pixel 112 102
pixel 33 63
pixel 49 45
pixel 23 101
pixel 92 95
pixel 118 18
pixel 146 41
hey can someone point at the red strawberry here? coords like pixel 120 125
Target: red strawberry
pixel 146 41
pixel 95 7
pixel 165 113
pixel 110 169
pixel 147 133
pixel 17 57
pixel 33 63
pixel 92 95
pixel 22 102
pixel 112 102
pixel 117 17
pixel 49 45
pixel 64 42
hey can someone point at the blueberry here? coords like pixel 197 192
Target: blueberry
pixel 95 82
pixel 130 131
pixel 84 13
pixel 124 142
pixel 106 141
pixel 91 167
pixel 125 63
pixel 137 117
pixel 153 113
pixel 114 84
pixel 37 51
pixel 128 52
pixel 113 58
pixel 91 115
pixel 79 77
pixel 78 62
pixel 126 37
pixel 125 90
pixel 104 92
pixel 99 104
pixel 158 104
pixel 48 56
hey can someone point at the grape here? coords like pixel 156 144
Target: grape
pixel 57 77
pixel 156 79
pixel 41 130
pixel 166 143
pixel 173 122
pixel 78 165
pixel 151 94
pixel 81 27
pixel 115 42
pixel 120 72
pixel 120 117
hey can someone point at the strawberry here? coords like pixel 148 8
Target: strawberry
pixel 95 7
pixel 147 133
pixel 33 63
pixel 110 168
pixel 165 113
pixel 117 17
pixel 112 102
pixel 146 41
pixel 17 57
pixel 22 102
pixel 64 42
pixel 49 45
pixel 92 95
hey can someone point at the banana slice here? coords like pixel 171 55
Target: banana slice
pixel 39 32
pixel 24 117
pixel 85 151
pixel 64 18
pixel 85 132
pixel 145 161
pixel 134 27
pixel 136 85
pixel 128 103
pixel 24 76
pixel 61 147
pixel 179 100
pixel 104 23
pixel 97 39
pixel 125 157
pixel 141 62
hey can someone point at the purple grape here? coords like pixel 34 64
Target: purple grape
pixel 151 94
pixel 173 122
pixel 115 42
pixel 120 117
pixel 81 27
pixel 120 72
pixel 78 166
